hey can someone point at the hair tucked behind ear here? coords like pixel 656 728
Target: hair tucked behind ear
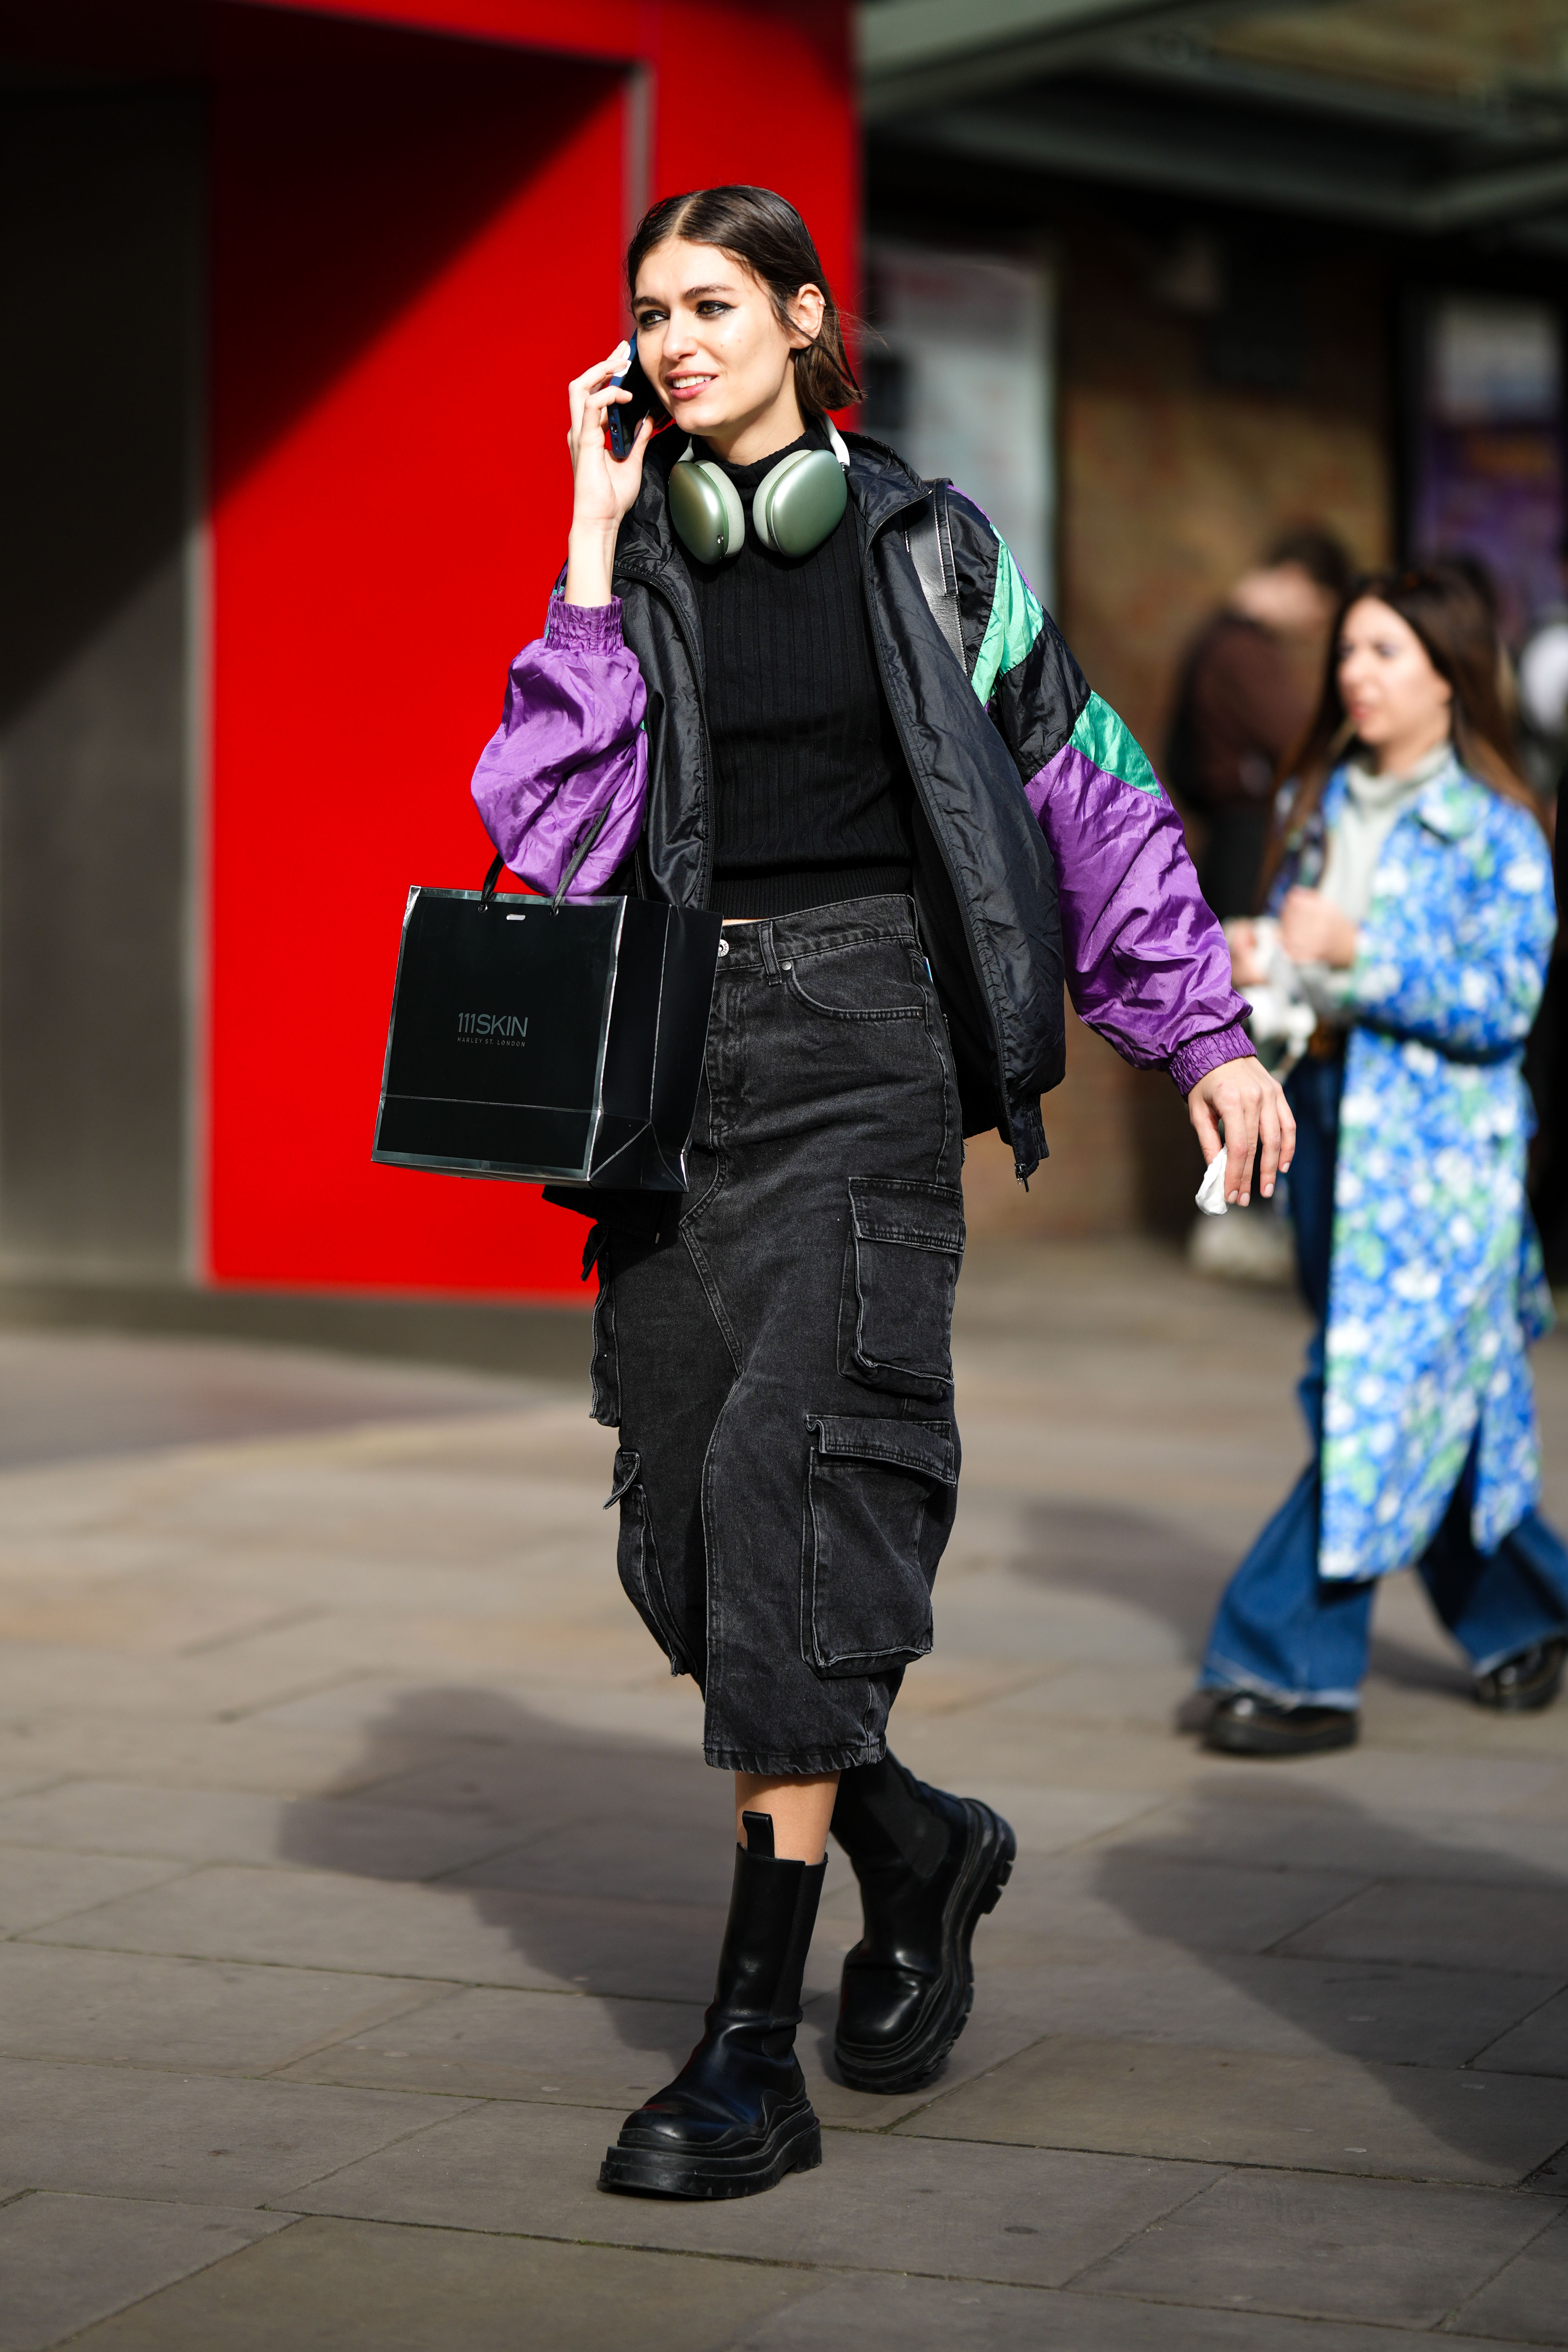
pixel 1460 639
pixel 768 237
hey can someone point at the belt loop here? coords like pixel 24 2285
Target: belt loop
pixel 770 960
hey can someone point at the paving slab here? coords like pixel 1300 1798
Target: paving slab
pixel 35 1676
pixel 1527 2302
pixel 332 1920
pixel 554 2048
pixel 235 1825
pixel 1524 1928
pixel 1384 2251
pixel 1092 1901
pixel 875 2203
pixel 1537 2045
pixel 68 2261
pixel 915 2315
pixel 1326 2114
pixel 1389 1843
pixel 579 2050
pixel 1401 2014
pixel 345 2286
pixel 66 1395
pixel 125 2131
pixel 176 1752
pixel 37 1887
pixel 209 2017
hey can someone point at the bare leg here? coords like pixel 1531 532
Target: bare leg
pixel 801 1811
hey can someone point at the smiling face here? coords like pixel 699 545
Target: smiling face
pixel 1400 705
pixel 710 339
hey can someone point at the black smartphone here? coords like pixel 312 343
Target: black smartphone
pixel 628 414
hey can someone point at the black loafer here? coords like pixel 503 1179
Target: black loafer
pixel 1245 1724
pixel 1528 1681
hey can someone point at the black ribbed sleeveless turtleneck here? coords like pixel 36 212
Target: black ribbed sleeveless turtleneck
pixel 812 792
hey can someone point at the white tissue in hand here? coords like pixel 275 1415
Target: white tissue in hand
pixel 1210 1195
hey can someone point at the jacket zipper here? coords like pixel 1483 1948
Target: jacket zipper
pixel 960 896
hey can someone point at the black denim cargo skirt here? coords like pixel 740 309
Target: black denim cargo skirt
pixel 774 1345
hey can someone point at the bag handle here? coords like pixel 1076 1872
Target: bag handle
pixel 584 843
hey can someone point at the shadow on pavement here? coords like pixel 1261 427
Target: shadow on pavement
pixel 612 1856
pixel 1437 1948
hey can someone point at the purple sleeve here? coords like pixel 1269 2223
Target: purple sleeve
pixel 569 753
pixel 1147 962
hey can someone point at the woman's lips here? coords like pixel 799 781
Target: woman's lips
pixel 690 391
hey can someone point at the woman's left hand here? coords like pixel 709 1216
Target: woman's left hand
pixel 1312 930
pixel 1253 1108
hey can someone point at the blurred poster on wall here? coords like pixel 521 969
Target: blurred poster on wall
pixel 958 381
pixel 1488 457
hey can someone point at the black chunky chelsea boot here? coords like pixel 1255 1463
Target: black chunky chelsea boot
pixel 929 1865
pixel 737 2117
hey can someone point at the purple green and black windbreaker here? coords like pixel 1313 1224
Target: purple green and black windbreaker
pixel 1043 844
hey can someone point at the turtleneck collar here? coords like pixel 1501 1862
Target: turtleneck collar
pixel 746 478
pixel 1376 791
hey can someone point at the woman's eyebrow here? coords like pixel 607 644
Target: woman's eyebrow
pixel 692 294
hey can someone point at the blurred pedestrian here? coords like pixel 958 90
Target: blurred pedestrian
pixel 1412 887
pixel 1243 701
pixel 886 777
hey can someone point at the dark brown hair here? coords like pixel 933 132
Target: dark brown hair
pixel 1460 639
pixel 767 237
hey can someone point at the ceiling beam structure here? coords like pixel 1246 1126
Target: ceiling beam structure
pixel 956 74
pixel 917 52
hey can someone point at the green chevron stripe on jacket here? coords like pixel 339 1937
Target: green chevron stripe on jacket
pixel 1011 627
pixel 1101 737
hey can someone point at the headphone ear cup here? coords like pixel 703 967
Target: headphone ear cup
pixel 763 495
pixel 800 502
pixel 706 511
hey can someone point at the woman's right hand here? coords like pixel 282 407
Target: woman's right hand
pixel 605 489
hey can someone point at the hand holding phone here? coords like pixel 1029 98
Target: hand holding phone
pixel 626 415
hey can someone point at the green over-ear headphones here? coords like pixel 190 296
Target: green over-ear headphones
pixel 794 508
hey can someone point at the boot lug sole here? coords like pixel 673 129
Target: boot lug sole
pixel 793 2146
pixel 926 2050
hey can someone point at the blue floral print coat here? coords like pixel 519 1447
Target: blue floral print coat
pixel 1436 1288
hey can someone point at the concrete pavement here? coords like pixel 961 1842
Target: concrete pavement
pixel 358 1870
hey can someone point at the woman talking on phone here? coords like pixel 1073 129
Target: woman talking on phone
pixel 779 682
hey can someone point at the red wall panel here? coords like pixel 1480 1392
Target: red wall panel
pixel 751 91
pixel 387 519
pixel 409 258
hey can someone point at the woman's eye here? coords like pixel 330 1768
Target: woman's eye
pixel 711 309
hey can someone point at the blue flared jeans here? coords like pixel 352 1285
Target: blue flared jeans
pixel 1286 1632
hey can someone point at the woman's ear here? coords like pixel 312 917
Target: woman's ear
pixel 806 312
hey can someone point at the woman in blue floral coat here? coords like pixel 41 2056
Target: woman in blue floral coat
pixel 1413 890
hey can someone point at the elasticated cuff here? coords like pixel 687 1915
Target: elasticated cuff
pixel 584 628
pixel 1199 1056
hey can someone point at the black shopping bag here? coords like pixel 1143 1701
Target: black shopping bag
pixel 549 1042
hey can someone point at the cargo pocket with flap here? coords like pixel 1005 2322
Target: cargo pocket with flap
pixel 637 1558
pixel 879 1500
pixel 906 1242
